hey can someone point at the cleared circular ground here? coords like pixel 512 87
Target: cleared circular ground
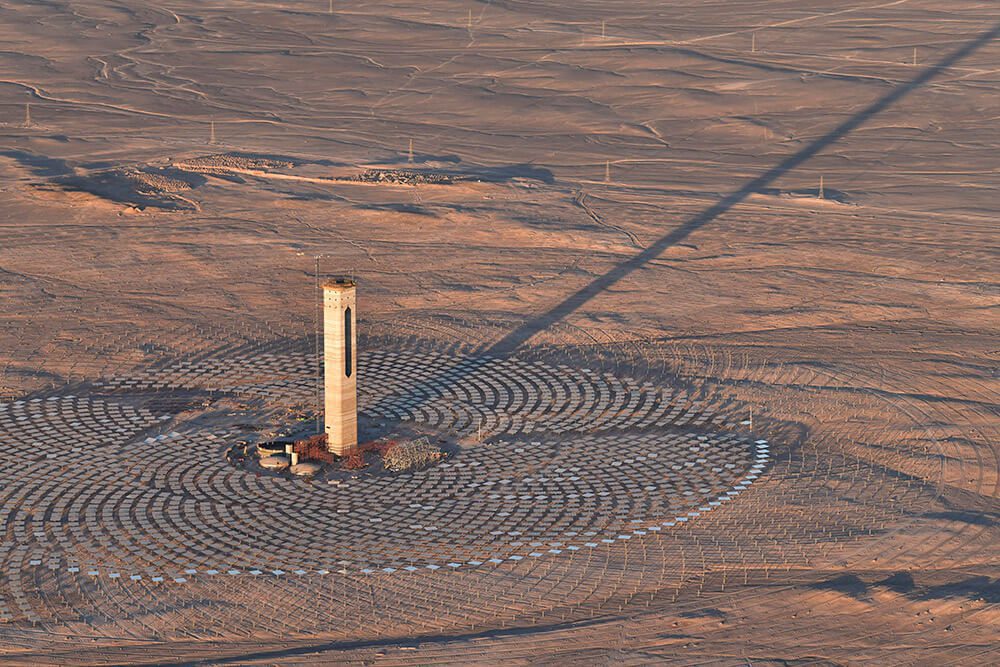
pixel 571 459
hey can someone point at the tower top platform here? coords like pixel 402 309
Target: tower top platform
pixel 339 283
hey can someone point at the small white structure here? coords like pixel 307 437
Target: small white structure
pixel 274 462
pixel 306 469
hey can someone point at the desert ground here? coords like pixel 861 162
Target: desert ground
pixel 706 291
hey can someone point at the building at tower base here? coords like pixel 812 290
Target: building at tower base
pixel 340 416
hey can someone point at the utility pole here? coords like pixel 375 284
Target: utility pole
pixel 319 367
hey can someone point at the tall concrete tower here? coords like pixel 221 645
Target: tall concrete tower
pixel 340 365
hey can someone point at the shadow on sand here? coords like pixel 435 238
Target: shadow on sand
pixel 523 333
pixel 510 343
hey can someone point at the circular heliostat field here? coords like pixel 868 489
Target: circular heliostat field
pixel 581 480
pixel 570 459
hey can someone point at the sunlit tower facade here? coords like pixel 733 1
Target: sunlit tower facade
pixel 340 365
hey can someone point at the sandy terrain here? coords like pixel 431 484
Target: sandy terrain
pixel 784 208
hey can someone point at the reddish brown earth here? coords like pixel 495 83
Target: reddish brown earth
pixel 651 194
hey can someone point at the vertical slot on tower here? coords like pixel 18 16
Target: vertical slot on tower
pixel 348 340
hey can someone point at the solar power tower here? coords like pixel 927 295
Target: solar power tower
pixel 340 415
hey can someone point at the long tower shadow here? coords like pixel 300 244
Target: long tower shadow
pixel 509 344
pixel 516 338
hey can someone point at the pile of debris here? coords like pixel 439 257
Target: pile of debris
pixel 307 456
pixel 139 187
pixel 234 161
pixel 313 449
pixel 153 182
pixel 402 177
pixel 410 455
